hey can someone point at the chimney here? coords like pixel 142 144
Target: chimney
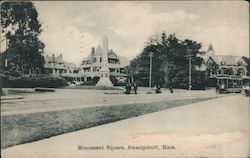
pixel 92 51
pixel 53 56
pixel 60 56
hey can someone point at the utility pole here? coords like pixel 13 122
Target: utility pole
pixel 189 55
pixel 151 54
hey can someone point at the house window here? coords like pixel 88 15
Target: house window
pixel 219 72
pixel 100 59
pixel 240 72
pixel 94 60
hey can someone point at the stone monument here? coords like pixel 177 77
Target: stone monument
pixel 104 78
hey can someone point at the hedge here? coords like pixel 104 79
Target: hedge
pixel 33 81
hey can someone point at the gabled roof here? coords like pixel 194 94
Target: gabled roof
pixel 227 60
pixel 53 59
pixel 57 62
pixel 112 54
pixel 123 61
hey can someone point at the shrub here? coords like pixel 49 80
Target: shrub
pixel 33 81
pixel 89 83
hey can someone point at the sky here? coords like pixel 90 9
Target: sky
pixel 72 28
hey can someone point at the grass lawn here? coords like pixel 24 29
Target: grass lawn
pixel 23 128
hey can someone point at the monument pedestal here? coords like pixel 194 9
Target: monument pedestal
pixel 104 79
pixel 104 82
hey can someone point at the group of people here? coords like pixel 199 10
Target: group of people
pixel 157 88
pixel 131 87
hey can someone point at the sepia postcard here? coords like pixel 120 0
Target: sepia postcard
pixel 125 79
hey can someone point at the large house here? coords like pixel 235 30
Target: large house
pixel 228 70
pixel 91 66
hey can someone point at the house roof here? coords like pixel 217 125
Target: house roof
pixel 123 61
pixel 56 62
pixel 112 54
pixel 227 60
pixel 48 59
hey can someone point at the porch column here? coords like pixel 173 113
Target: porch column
pixel 227 82
pixel 233 82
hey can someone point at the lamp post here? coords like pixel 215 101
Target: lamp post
pixel 151 54
pixel 5 62
pixel 6 47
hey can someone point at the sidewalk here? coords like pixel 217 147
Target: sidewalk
pixel 214 128
pixel 11 97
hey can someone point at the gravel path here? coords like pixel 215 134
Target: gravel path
pixel 71 99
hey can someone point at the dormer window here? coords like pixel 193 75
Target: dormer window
pixel 223 63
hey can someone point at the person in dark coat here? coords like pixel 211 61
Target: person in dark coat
pixel 171 89
pixel 135 88
pixel 158 89
pixel 127 88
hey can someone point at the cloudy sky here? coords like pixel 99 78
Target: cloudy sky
pixel 72 28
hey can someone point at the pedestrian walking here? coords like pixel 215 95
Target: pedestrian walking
pixel 171 89
pixel 135 88
pixel 158 89
pixel 127 88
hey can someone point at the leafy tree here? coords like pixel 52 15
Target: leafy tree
pixel 21 27
pixel 170 64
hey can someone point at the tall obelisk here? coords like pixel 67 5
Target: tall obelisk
pixel 104 78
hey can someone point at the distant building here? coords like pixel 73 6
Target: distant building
pixel 228 70
pixel 57 66
pixel 91 66
pixel 225 69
